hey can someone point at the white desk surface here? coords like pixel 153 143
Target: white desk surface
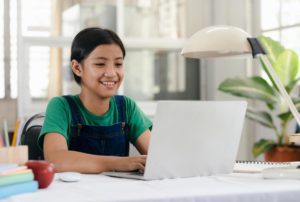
pixel 236 187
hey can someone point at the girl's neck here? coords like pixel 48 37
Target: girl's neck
pixel 95 104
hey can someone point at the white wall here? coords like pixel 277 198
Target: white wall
pixel 8 111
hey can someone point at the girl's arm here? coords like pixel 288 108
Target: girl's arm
pixel 56 152
pixel 142 143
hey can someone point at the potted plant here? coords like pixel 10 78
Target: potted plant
pixel 285 63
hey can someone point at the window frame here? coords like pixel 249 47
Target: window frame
pixel 6 49
pixel 280 27
pixel 26 105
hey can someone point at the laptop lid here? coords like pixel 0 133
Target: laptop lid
pixel 194 138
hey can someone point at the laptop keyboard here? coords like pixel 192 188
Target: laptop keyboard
pixel 136 173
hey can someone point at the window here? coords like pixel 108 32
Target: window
pixel 8 50
pixel 155 18
pixel 160 70
pixel 160 75
pixel 33 25
pixel 38 56
pixel 280 20
pixel 153 41
pixel 2 76
pixel 13 63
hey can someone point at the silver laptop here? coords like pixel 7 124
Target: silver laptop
pixel 192 138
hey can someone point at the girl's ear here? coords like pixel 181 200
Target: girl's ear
pixel 76 67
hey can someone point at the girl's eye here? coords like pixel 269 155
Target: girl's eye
pixel 119 64
pixel 100 64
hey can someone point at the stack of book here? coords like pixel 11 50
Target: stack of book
pixel 16 179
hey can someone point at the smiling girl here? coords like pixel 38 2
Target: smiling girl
pixel 90 132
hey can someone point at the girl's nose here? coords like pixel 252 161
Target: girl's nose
pixel 110 72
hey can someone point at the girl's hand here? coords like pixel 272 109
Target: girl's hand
pixel 131 163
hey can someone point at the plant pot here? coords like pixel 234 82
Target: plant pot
pixel 283 154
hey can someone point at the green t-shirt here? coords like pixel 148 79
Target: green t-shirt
pixel 59 118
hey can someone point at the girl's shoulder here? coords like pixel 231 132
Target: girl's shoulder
pixel 60 102
pixel 63 98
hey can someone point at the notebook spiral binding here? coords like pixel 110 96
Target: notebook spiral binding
pixel 261 162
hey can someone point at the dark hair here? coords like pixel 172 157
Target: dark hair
pixel 88 39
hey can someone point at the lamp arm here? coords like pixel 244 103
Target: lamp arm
pixel 280 87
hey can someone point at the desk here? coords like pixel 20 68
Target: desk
pixel 235 187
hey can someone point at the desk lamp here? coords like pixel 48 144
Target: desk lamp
pixel 229 41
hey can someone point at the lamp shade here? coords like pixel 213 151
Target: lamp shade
pixel 217 41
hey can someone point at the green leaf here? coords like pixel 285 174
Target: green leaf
pixel 254 88
pixel 262 146
pixel 273 48
pixel 262 117
pixel 287 116
pixel 271 107
pixel 291 85
pixel 284 62
pixel 286 67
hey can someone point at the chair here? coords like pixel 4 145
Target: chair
pixel 297 129
pixel 29 136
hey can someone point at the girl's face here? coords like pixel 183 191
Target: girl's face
pixel 102 71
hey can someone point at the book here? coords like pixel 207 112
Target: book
pixel 19 188
pixel 7 166
pixel 16 178
pixel 259 166
pixel 18 169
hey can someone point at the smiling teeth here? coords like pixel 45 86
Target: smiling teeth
pixel 108 83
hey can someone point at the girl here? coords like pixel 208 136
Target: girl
pixel 90 132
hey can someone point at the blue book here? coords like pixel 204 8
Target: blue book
pixel 19 188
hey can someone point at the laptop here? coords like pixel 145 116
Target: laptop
pixel 192 138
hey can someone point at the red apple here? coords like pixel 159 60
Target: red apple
pixel 43 172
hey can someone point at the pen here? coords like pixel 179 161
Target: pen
pixel 19 132
pixel 5 133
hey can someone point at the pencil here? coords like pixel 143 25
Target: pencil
pixel 5 133
pixel 14 139
pixel 1 140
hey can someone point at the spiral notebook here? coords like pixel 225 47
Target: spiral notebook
pixel 258 166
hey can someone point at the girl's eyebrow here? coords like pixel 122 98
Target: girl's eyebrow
pixel 104 58
pixel 101 58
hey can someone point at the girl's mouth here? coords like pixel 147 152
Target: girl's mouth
pixel 108 84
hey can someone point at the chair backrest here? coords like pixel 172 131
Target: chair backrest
pixel 297 129
pixel 29 136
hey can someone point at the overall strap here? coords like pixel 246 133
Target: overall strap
pixel 120 101
pixel 76 114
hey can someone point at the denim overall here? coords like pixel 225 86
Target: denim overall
pixel 99 140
